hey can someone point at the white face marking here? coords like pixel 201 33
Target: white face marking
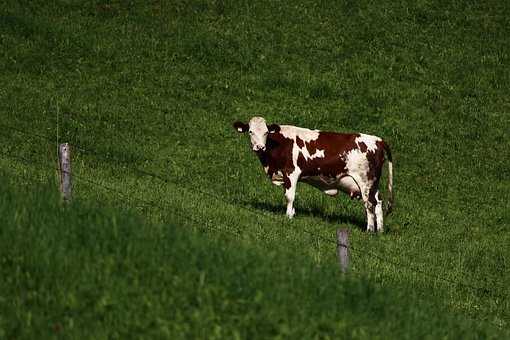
pixel 258 133
pixel 369 141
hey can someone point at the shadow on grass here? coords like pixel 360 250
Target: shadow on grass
pixel 314 211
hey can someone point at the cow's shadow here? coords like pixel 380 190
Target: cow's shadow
pixel 313 211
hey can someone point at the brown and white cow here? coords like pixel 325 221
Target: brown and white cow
pixel 329 161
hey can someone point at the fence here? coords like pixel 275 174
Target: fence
pixel 341 241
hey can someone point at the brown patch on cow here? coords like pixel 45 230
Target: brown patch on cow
pixel 335 147
pixel 363 147
pixel 333 143
pixel 300 142
pixel 371 194
pixel 301 161
pixel 286 182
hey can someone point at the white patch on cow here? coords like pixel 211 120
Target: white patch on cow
pixel 240 129
pixel 379 213
pixel 290 193
pixel 294 176
pixel 318 154
pixel 331 192
pixel 369 141
pixel 357 163
pixel 306 153
pixel 357 167
pixel 291 132
pixel 306 135
pixel 331 185
pixel 348 185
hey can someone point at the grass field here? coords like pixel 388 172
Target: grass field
pixel 91 273
pixel 153 87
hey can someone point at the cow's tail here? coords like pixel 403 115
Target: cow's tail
pixel 389 206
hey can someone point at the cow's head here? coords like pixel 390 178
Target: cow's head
pixel 258 130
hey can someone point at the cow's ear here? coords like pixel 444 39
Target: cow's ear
pixel 241 127
pixel 273 128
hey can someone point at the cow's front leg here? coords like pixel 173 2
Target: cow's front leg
pixel 290 185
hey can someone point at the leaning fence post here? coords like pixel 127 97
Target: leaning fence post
pixel 342 248
pixel 64 167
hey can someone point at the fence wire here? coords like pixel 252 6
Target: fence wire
pixel 361 252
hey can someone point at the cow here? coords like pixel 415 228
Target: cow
pixel 329 161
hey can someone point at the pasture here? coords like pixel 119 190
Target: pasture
pixel 146 93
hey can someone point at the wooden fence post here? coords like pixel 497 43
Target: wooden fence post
pixel 64 165
pixel 342 248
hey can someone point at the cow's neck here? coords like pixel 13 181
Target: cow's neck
pixel 265 156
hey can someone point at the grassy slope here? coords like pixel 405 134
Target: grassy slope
pixel 91 273
pixel 157 86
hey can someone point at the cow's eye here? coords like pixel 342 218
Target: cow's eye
pixel 251 132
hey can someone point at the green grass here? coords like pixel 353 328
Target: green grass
pixel 157 85
pixel 88 272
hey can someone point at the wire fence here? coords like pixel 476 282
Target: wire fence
pixel 141 202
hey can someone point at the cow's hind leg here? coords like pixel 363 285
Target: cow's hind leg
pixel 370 211
pixel 373 207
pixel 370 205
pixel 379 212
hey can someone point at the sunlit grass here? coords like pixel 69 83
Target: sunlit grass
pixel 156 86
